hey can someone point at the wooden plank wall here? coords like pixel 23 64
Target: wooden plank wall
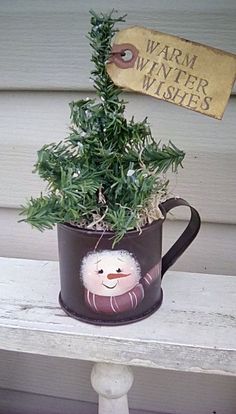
pixel 16 402
pixel 44 64
pixel 154 390
pixel 43 43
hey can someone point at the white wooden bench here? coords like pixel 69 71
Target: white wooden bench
pixel 194 330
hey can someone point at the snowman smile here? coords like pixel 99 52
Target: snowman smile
pixel 110 287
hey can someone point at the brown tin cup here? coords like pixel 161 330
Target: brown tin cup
pixel 114 286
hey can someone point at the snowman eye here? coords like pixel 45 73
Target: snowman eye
pixel 100 271
pixel 118 270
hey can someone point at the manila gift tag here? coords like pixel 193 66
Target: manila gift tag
pixel 176 70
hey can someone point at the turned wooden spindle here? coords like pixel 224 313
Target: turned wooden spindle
pixel 112 383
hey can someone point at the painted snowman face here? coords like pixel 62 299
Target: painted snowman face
pixel 110 272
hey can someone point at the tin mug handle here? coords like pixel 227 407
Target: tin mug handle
pixel 186 237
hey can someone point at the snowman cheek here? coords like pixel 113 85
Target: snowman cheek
pixel 126 283
pixel 93 281
pixel 100 281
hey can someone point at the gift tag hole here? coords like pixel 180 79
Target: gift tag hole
pixel 127 55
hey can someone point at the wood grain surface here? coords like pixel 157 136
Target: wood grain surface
pixel 193 333
pixel 44 45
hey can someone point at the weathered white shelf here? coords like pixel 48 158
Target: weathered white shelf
pixel 194 330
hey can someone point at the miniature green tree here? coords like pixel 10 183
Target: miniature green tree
pixel 109 173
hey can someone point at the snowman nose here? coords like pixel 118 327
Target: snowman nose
pixel 117 275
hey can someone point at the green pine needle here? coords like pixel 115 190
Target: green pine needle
pixel 108 168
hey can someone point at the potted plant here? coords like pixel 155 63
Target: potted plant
pixel 108 194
